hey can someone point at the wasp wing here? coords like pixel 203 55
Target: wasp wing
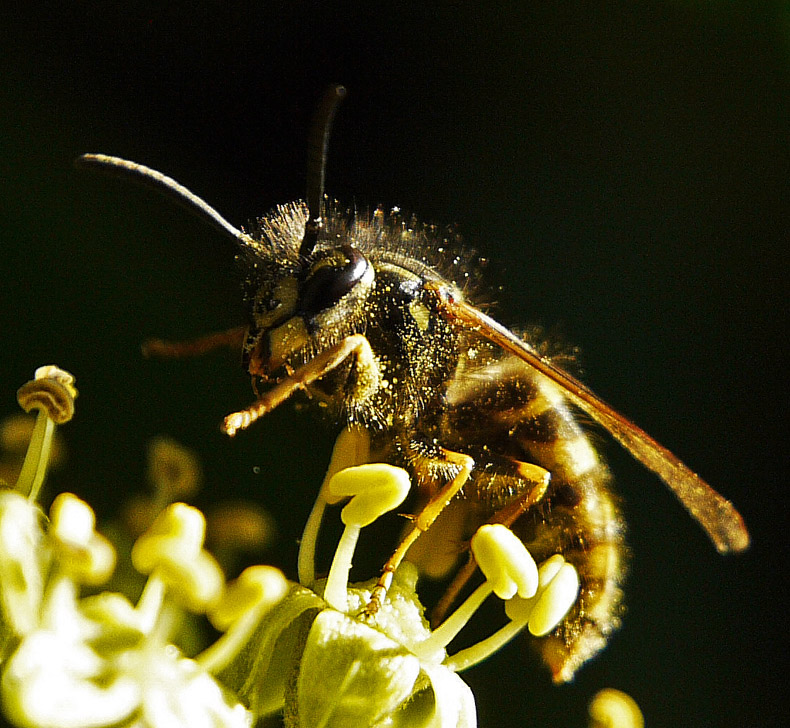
pixel 717 516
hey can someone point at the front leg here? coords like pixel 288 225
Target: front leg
pixel 162 349
pixel 367 380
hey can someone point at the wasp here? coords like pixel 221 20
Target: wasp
pixel 376 321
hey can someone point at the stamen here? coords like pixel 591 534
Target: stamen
pixel 558 587
pixel 173 470
pixel 257 589
pixel 447 631
pixel 51 390
pixel 505 562
pixel 374 489
pixel 352 447
pixel 84 554
pixel 172 549
pixel 255 586
pixel 52 393
pixel 509 570
pixel 612 708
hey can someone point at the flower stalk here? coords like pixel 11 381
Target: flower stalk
pixel 52 393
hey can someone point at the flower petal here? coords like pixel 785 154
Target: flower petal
pixel 455 703
pixel 21 562
pixel 364 675
pixel 48 682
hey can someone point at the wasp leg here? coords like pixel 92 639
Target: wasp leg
pixel 367 380
pixel 232 338
pixel 421 523
pixel 538 480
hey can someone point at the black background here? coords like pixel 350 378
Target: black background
pixel 623 165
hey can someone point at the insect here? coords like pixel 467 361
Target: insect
pixel 371 318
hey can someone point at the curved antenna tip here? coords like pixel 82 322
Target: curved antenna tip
pixel 166 185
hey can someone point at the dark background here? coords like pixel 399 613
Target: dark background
pixel 623 165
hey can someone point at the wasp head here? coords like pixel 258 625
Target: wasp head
pixel 301 304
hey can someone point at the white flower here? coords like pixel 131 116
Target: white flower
pixel 100 661
pixel 324 659
pixel 317 652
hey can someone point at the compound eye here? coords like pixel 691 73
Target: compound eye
pixel 331 277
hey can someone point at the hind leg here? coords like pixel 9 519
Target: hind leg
pixel 535 485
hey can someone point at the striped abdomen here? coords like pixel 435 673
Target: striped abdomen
pixel 504 414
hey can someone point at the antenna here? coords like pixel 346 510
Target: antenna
pixel 316 165
pixel 162 183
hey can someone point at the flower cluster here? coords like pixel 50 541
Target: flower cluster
pixel 69 660
pixel 313 650
pixel 322 656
